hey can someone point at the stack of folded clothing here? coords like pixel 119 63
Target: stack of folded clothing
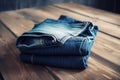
pixel 64 43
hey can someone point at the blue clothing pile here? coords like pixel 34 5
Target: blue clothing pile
pixel 64 43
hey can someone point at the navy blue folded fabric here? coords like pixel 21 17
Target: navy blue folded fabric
pixel 76 45
pixel 65 43
pixel 69 62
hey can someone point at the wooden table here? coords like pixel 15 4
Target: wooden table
pixel 104 62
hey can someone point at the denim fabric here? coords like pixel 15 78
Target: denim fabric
pixel 65 43
pixel 53 32
pixel 69 62
pixel 76 45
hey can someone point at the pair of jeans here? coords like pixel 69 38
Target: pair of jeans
pixel 69 48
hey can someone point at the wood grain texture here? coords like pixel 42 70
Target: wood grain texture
pixel 10 66
pixel 91 12
pixel 104 61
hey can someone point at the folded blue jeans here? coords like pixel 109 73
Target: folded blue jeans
pixel 69 62
pixel 69 48
pixel 33 43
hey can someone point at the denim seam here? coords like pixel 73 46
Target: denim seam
pixel 63 40
pixel 82 42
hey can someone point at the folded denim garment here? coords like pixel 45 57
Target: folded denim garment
pixel 69 62
pixel 77 46
pixel 64 43
pixel 33 43
pixel 54 32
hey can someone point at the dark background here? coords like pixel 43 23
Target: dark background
pixel 109 5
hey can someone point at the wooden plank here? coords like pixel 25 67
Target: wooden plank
pixel 6 59
pixel 91 12
pixel 18 27
pixel 107 47
pixel 103 72
pixel 40 13
pixel 93 72
pixel 10 66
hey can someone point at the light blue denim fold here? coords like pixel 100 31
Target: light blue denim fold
pixel 57 31
pixel 65 43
